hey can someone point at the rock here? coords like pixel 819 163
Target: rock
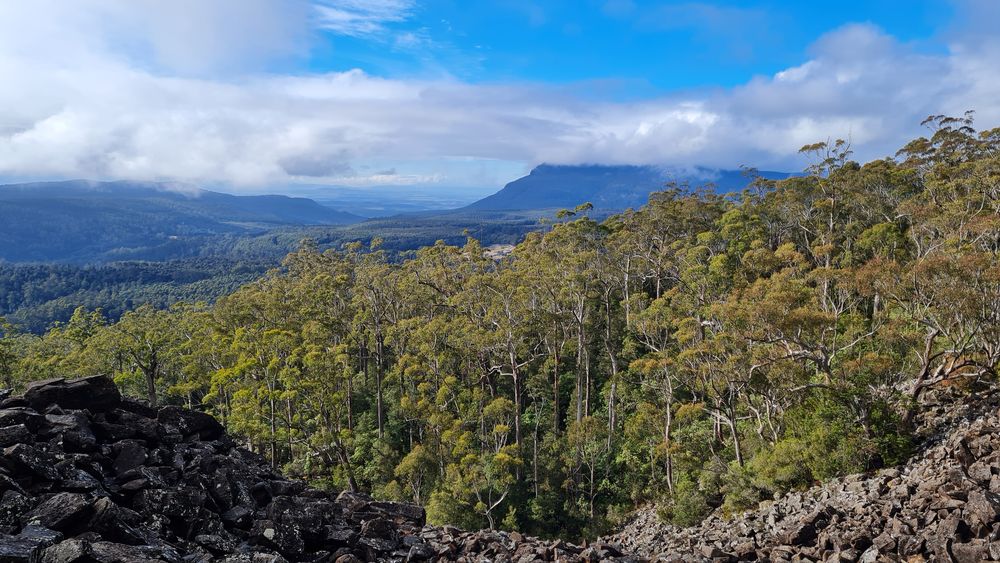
pixel 216 543
pixel 803 531
pixel 13 504
pixel 884 543
pixel 712 552
pixel 28 545
pixel 420 552
pixel 21 415
pixel 972 552
pixel 191 422
pixel 28 459
pixel 281 537
pixel 238 516
pixel 96 393
pixel 108 552
pixel 984 506
pixel 181 504
pixel 64 512
pixel 399 512
pixel 129 455
pixel 15 434
pixel 69 551
pixel 117 523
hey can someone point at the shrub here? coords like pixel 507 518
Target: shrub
pixel 687 505
pixel 738 489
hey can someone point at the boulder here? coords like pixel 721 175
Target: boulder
pixel 190 422
pixel 96 393
pixel 69 551
pixel 64 512
pixel 28 545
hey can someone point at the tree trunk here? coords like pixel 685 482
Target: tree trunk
pixel 288 427
pixel 379 372
pixel 534 459
pixel 736 440
pixel 667 427
pixel 592 494
pixel 555 394
pixel 352 483
pixel 579 375
pixel 516 382
pixel 350 400
pixel 274 432
pixel 150 374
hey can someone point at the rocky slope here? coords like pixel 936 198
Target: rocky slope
pixel 944 505
pixel 87 476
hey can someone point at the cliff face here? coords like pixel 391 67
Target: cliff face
pixel 87 476
pixel 943 505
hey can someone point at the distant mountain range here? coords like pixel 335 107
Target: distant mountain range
pixel 97 222
pixel 609 188
pixel 83 221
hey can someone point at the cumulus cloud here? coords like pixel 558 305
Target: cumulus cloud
pixel 137 89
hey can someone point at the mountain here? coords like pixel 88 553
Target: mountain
pixel 102 221
pixel 609 188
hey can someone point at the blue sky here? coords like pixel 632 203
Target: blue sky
pixel 261 95
pixel 644 46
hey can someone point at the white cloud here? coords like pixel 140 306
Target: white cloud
pixel 361 17
pixel 85 97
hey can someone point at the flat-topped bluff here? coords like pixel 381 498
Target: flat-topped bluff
pixel 88 476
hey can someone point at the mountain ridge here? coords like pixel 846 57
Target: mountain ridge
pixel 283 209
pixel 80 220
pixel 607 187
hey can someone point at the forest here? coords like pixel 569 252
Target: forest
pixel 702 351
pixel 34 296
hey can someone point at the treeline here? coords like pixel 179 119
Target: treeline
pixel 701 351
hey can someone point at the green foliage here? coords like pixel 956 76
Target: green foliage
pixel 686 506
pixel 824 440
pixel 783 467
pixel 740 491
pixel 703 351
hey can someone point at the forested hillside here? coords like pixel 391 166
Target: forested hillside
pixel 38 295
pixel 80 221
pixel 701 351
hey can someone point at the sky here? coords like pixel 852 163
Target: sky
pixel 260 95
